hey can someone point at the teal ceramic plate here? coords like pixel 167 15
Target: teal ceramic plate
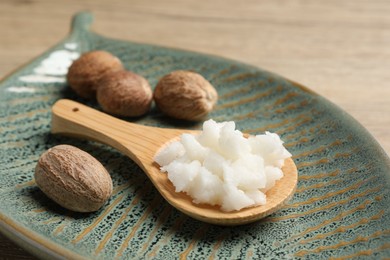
pixel 340 208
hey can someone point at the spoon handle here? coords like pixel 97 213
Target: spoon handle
pixel 139 142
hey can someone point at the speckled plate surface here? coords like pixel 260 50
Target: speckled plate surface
pixel 340 209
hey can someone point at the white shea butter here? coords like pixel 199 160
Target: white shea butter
pixel 221 167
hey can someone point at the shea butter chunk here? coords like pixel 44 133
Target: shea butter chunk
pixel 221 167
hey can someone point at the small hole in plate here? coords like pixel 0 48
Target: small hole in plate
pixel 75 109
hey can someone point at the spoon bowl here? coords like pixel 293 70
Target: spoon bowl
pixel 141 143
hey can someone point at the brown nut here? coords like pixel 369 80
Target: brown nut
pixel 185 95
pixel 84 72
pixel 124 93
pixel 73 178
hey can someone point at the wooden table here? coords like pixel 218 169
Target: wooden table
pixel 338 48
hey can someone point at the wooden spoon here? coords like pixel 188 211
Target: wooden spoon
pixel 141 143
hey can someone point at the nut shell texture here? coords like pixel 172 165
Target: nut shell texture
pixel 73 178
pixel 124 93
pixel 85 72
pixel 185 95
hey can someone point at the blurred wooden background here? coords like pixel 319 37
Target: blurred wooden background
pixel 338 48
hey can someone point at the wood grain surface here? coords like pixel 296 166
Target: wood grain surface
pixel 338 48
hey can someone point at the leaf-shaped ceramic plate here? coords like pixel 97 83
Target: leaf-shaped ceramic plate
pixel 340 209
